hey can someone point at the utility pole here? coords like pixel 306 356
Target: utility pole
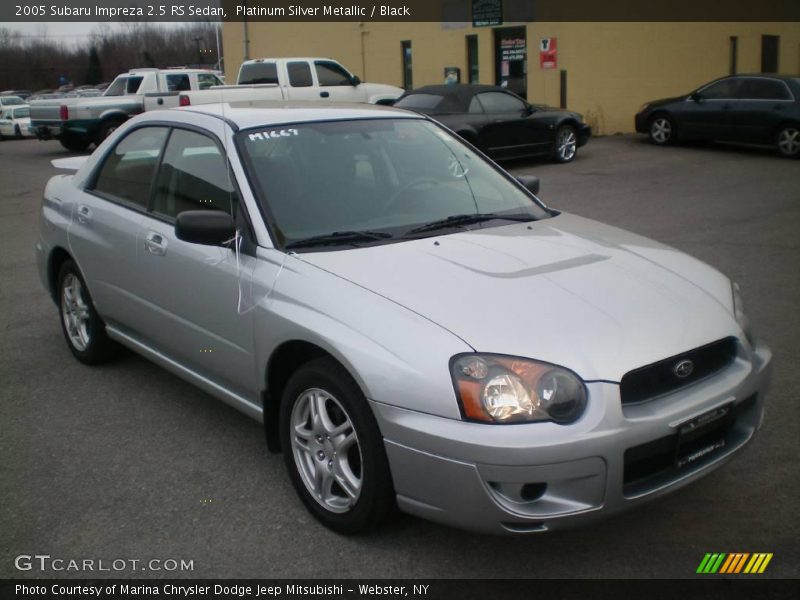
pixel 197 41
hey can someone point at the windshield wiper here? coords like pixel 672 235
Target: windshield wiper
pixel 467 219
pixel 339 237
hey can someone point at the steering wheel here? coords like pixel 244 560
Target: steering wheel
pixel 390 204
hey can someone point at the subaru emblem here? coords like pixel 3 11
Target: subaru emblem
pixel 683 368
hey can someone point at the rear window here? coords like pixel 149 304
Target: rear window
pixel 123 86
pixel 420 101
pixel 255 73
pixel 21 113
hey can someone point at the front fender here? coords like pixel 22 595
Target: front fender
pixel 395 355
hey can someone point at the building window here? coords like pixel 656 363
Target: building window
pixel 472 59
pixel 734 54
pixel 769 53
pixel 407 70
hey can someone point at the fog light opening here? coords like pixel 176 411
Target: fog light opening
pixel 532 491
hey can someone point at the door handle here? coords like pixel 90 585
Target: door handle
pixel 84 213
pixel 324 94
pixel 155 243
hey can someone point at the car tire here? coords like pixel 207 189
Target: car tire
pixel 661 129
pixel 83 328
pixel 17 132
pixel 787 141
pixel 73 144
pixel 106 129
pixel 566 144
pixel 333 449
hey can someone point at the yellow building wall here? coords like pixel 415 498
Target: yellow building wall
pixel 612 68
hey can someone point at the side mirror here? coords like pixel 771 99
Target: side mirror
pixel 355 80
pixel 529 110
pixel 696 96
pixel 530 182
pixel 206 227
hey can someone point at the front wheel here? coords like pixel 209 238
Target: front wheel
pixel 788 141
pixel 333 449
pixel 106 130
pixel 566 144
pixel 662 130
pixel 83 328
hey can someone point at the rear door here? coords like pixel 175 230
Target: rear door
pixel 763 105
pixel 194 292
pixel 299 81
pixel 105 221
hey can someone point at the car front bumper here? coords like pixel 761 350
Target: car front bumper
pixel 640 122
pixel 537 477
pixel 584 133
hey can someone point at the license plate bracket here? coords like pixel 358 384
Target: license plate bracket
pixel 703 435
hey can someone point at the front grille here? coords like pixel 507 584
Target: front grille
pixel 649 465
pixel 659 378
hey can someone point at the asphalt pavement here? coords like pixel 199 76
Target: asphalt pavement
pixel 128 462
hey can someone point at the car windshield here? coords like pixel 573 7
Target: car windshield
pixel 11 100
pixel 400 177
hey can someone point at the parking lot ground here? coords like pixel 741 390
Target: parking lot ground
pixel 129 462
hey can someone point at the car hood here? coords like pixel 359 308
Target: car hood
pixel 566 290
pixel 663 101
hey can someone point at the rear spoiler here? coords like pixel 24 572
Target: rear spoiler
pixel 73 163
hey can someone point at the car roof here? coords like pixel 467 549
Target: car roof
pixel 458 96
pixel 246 115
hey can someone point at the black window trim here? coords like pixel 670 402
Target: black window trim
pixel 148 210
pixel 699 90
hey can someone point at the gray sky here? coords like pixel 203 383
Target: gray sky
pixel 66 31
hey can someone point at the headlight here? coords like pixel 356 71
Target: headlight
pixel 738 312
pixel 506 389
pixel 643 107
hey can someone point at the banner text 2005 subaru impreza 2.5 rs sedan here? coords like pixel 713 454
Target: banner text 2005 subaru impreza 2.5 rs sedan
pixel 412 325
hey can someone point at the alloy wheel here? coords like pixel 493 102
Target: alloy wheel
pixel 567 144
pixel 326 450
pixel 75 312
pixel 661 130
pixel 789 141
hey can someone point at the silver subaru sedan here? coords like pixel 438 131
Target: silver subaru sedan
pixel 414 328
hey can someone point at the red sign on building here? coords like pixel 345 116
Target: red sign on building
pixel 548 53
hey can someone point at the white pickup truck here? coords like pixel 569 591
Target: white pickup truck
pixel 321 79
pixel 78 122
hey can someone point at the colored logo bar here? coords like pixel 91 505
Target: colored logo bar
pixel 734 563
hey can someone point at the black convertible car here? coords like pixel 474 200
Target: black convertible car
pixel 756 109
pixel 500 123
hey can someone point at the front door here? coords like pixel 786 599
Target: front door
pixel 710 115
pixel 335 83
pixel 511 59
pixel 194 291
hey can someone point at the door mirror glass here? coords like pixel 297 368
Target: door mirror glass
pixel 530 182
pixel 696 97
pixel 355 80
pixel 206 227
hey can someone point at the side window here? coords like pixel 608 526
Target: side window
pixel 722 90
pixel 193 176
pixel 127 172
pixel 253 73
pixel 498 102
pixel 475 105
pixel 206 80
pixel 764 89
pixel 178 83
pixel 299 74
pixel 329 73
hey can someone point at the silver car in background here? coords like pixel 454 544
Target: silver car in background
pixel 414 328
